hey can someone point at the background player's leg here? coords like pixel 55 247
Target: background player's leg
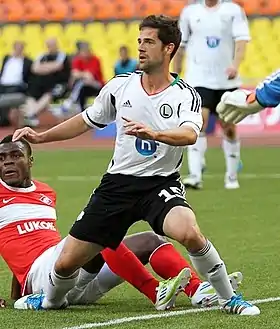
pixel 231 147
pixel 196 156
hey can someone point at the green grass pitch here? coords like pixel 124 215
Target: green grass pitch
pixel 243 224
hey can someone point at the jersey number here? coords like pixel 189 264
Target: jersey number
pixel 171 193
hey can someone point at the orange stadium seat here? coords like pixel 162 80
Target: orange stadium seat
pixel 81 9
pixel 3 14
pixel 104 10
pixel 148 7
pixel 34 10
pixel 173 8
pixel 125 8
pixel 57 10
pixel 251 7
pixel 269 7
pixel 15 11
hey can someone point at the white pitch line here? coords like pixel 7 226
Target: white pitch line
pixel 206 176
pixel 161 315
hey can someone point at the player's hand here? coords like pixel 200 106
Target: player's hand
pixel 237 105
pixel 29 134
pixel 231 72
pixel 2 303
pixel 137 129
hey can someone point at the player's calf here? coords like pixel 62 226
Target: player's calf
pixel 205 258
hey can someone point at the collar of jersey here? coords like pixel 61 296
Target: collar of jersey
pixel 214 7
pixel 29 189
pixel 173 83
pixel 177 78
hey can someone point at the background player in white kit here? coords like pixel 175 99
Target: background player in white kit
pixel 214 36
pixel 157 114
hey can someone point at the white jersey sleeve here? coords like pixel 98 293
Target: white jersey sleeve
pixel 184 26
pixel 103 111
pixel 190 111
pixel 240 26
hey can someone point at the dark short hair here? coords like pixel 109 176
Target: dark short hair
pixel 168 29
pixel 9 139
pixel 123 47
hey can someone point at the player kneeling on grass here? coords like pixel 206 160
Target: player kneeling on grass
pixel 237 105
pixel 27 214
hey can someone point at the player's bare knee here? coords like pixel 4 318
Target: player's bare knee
pixel 193 239
pixel 205 117
pixel 230 131
pixel 180 225
pixel 65 267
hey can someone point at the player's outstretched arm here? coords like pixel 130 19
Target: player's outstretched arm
pixel 68 129
pixel 237 105
pixel 181 136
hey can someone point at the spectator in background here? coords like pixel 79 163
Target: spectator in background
pixel 51 74
pixel 15 71
pixel 14 77
pixel 87 77
pixel 125 63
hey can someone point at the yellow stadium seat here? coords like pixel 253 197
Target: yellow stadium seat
pixel 133 29
pixel 260 25
pixel 95 30
pixel 35 50
pixel 31 32
pixel 11 31
pixel 53 30
pixel 276 27
pixel 74 30
pixel 118 29
pixel 10 36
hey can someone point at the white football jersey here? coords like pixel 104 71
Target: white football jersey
pixel 209 35
pixel 124 96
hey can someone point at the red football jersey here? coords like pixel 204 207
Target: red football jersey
pixel 27 225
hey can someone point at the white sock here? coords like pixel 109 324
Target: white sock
pixel 104 281
pixel 196 154
pixel 84 278
pixel 232 157
pixel 57 289
pixel 107 279
pixel 208 263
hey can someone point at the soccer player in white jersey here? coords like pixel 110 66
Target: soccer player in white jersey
pixel 157 114
pixel 214 36
pixel 30 244
pixel 237 105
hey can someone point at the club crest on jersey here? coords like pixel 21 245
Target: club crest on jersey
pixel 45 199
pixel 213 42
pixel 145 147
pixel 166 111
